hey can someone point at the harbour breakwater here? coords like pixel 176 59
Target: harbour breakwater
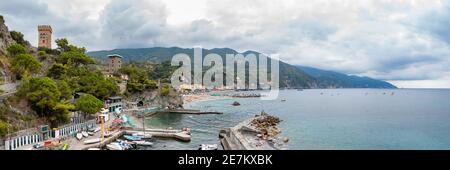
pixel 258 133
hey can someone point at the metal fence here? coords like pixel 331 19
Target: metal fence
pixel 33 136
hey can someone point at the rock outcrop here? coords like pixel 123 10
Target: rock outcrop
pixel 5 37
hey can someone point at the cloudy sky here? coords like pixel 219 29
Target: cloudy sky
pixel 405 42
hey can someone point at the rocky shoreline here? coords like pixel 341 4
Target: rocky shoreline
pixel 257 133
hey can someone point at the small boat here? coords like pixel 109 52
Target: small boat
pixel 127 142
pixel 79 136
pixel 94 149
pixel 132 138
pixel 91 133
pixel 85 134
pixel 142 135
pixel 283 100
pixel 208 147
pixel 114 146
pixel 108 134
pixel 97 129
pixel 143 143
pixel 236 103
pixel 92 141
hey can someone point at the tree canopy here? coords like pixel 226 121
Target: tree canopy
pixel 74 58
pixel 97 85
pixel 88 104
pixel 138 78
pixel 45 98
pixel 18 37
pixel 24 64
pixel 16 49
pixel 57 71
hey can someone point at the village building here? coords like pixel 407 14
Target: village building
pixel 114 63
pixel 45 36
pixel 114 103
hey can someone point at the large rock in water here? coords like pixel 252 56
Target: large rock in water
pixel 5 37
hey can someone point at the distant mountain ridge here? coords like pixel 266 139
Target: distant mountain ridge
pixel 290 76
pixel 331 79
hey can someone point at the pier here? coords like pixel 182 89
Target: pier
pixel 180 135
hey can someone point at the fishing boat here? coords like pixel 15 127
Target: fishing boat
pixel 142 135
pixel 127 142
pixel 92 141
pixel 97 129
pixel 94 149
pixel 119 145
pixel 91 133
pixel 85 134
pixel 114 146
pixel 143 143
pixel 208 147
pixel 79 136
pixel 132 138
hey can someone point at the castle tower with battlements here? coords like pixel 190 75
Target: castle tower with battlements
pixel 45 36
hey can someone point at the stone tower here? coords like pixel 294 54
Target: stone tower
pixel 45 36
pixel 114 63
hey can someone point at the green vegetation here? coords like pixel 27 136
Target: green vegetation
pixel 74 58
pixel 165 90
pixel 18 37
pixel 138 78
pixel 88 104
pixel 25 64
pixel 49 51
pixel 16 49
pixel 163 72
pixel 3 128
pixel 45 98
pixel 57 71
pixel 49 96
pixel 97 85
pixel 64 88
pixel 64 46
pixel 42 55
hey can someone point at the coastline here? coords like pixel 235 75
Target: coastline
pixel 192 98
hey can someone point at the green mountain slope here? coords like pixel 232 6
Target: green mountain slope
pixel 290 76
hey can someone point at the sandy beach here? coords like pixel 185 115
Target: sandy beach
pixel 201 97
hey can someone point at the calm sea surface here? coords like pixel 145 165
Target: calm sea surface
pixel 329 119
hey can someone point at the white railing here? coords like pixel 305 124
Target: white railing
pixel 34 136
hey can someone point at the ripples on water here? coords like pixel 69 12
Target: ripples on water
pixel 329 119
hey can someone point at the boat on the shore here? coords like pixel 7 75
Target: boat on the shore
pixel 142 135
pixel 132 138
pixel 119 145
pixel 85 134
pixel 92 141
pixel 91 133
pixel 208 147
pixel 94 149
pixel 97 129
pixel 79 136
pixel 143 143
pixel 114 146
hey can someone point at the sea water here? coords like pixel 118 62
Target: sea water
pixel 328 119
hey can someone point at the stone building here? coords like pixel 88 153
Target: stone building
pixel 45 36
pixel 114 63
